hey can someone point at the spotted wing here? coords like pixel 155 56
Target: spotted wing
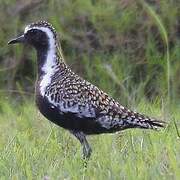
pixel 74 95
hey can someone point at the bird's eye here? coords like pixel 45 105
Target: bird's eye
pixel 33 31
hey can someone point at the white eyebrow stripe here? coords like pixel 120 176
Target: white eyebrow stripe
pixel 26 29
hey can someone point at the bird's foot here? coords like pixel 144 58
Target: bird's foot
pixel 86 152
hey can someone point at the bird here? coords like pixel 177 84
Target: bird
pixel 68 100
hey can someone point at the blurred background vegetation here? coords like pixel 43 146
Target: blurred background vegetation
pixel 128 48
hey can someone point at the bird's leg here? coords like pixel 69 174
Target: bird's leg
pixel 86 147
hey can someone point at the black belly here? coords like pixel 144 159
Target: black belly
pixel 69 120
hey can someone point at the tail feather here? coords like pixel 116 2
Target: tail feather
pixel 152 124
pixel 141 121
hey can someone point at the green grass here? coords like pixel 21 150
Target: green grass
pixel 33 148
pixel 132 54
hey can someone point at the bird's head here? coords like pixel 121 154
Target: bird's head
pixel 40 34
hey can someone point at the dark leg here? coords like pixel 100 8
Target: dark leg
pixel 86 147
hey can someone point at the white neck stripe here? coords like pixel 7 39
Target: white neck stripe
pixel 49 65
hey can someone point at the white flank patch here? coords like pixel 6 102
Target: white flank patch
pixel 49 65
pixel 83 112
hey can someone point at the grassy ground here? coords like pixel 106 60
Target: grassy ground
pixel 33 148
pixel 130 49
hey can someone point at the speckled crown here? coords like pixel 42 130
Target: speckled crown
pixel 43 24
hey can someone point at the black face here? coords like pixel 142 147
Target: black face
pixel 36 38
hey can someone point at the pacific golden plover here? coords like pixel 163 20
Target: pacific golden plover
pixel 70 101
